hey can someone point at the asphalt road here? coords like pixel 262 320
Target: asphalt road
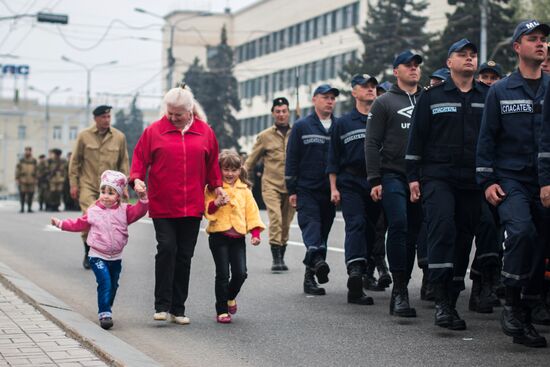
pixel 277 324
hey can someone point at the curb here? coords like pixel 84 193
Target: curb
pixel 105 345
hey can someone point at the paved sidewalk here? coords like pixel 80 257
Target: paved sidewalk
pixel 27 338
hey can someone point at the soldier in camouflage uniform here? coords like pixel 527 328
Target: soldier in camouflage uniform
pixel 42 177
pixel 56 178
pixel 25 176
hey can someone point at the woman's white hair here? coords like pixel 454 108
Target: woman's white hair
pixel 183 97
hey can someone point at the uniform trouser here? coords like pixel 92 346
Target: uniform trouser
pixel 176 240
pixel 54 199
pixel 86 198
pixel 361 214
pixel 280 214
pixel 26 193
pixel 422 244
pixel 488 244
pixel 404 221
pixel 42 195
pixel 379 248
pixel 230 259
pixel 452 216
pixel 526 223
pixel 315 216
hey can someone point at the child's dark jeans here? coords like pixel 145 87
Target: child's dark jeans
pixel 228 252
pixel 106 274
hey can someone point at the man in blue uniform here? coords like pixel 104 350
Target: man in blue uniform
pixel 441 168
pixel 385 145
pixel 308 185
pixel 348 185
pixel 507 170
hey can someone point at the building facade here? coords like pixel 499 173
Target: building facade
pixel 281 48
pixel 24 124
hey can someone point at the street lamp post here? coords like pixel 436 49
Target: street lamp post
pixel 170 59
pixel 47 96
pixel 89 70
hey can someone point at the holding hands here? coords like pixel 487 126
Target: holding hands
pixel 221 197
pixel 140 189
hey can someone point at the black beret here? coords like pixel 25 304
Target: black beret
pixel 56 151
pixel 100 110
pixel 279 101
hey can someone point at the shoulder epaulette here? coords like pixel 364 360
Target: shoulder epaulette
pixel 429 87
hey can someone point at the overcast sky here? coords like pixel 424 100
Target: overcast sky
pixel 89 40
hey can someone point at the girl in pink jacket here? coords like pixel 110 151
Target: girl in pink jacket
pixel 107 222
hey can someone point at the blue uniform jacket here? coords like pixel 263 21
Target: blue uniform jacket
pixel 544 148
pixel 306 155
pixel 510 131
pixel 444 132
pixel 347 144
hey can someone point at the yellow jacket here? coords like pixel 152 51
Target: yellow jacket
pixel 241 213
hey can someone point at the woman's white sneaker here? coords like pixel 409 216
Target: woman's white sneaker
pixel 160 316
pixel 180 320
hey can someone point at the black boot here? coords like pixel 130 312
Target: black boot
pixel 488 297
pixel 456 323
pixel 384 278
pixel 474 293
pixel 321 269
pixel 426 291
pixel 443 313
pixel 369 281
pixel 276 253
pixel 481 295
pixel 513 316
pixel 539 313
pixel 85 261
pixel 356 294
pixel 282 258
pixel 310 285
pixel 399 302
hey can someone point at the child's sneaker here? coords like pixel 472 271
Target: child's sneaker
pixel 232 306
pixel 160 316
pixel 223 318
pixel 180 320
pixel 106 322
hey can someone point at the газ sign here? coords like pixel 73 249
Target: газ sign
pixel 14 69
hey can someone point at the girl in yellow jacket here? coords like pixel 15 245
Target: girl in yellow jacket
pixel 230 218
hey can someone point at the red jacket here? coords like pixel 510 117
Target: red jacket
pixel 179 167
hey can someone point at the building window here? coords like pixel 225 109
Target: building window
pixel 56 133
pixel 328 24
pixel 355 13
pixel 21 132
pixel 73 132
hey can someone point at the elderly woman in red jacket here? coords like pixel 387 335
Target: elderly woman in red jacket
pixel 179 156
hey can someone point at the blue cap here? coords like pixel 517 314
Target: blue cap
pixel 326 88
pixel 442 74
pixel 460 45
pixel 492 66
pixel 406 57
pixel 529 26
pixel 385 86
pixel 362 79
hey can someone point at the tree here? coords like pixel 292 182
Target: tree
pixel 529 9
pixel 465 22
pixel 392 26
pixel 216 89
pixel 131 125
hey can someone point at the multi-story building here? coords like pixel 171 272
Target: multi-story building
pixel 281 48
pixel 24 124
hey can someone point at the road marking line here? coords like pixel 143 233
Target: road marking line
pixel 293 243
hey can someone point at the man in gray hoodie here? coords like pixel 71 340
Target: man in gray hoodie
pixel 385 146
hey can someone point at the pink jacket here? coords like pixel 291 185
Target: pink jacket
pixel 108 227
